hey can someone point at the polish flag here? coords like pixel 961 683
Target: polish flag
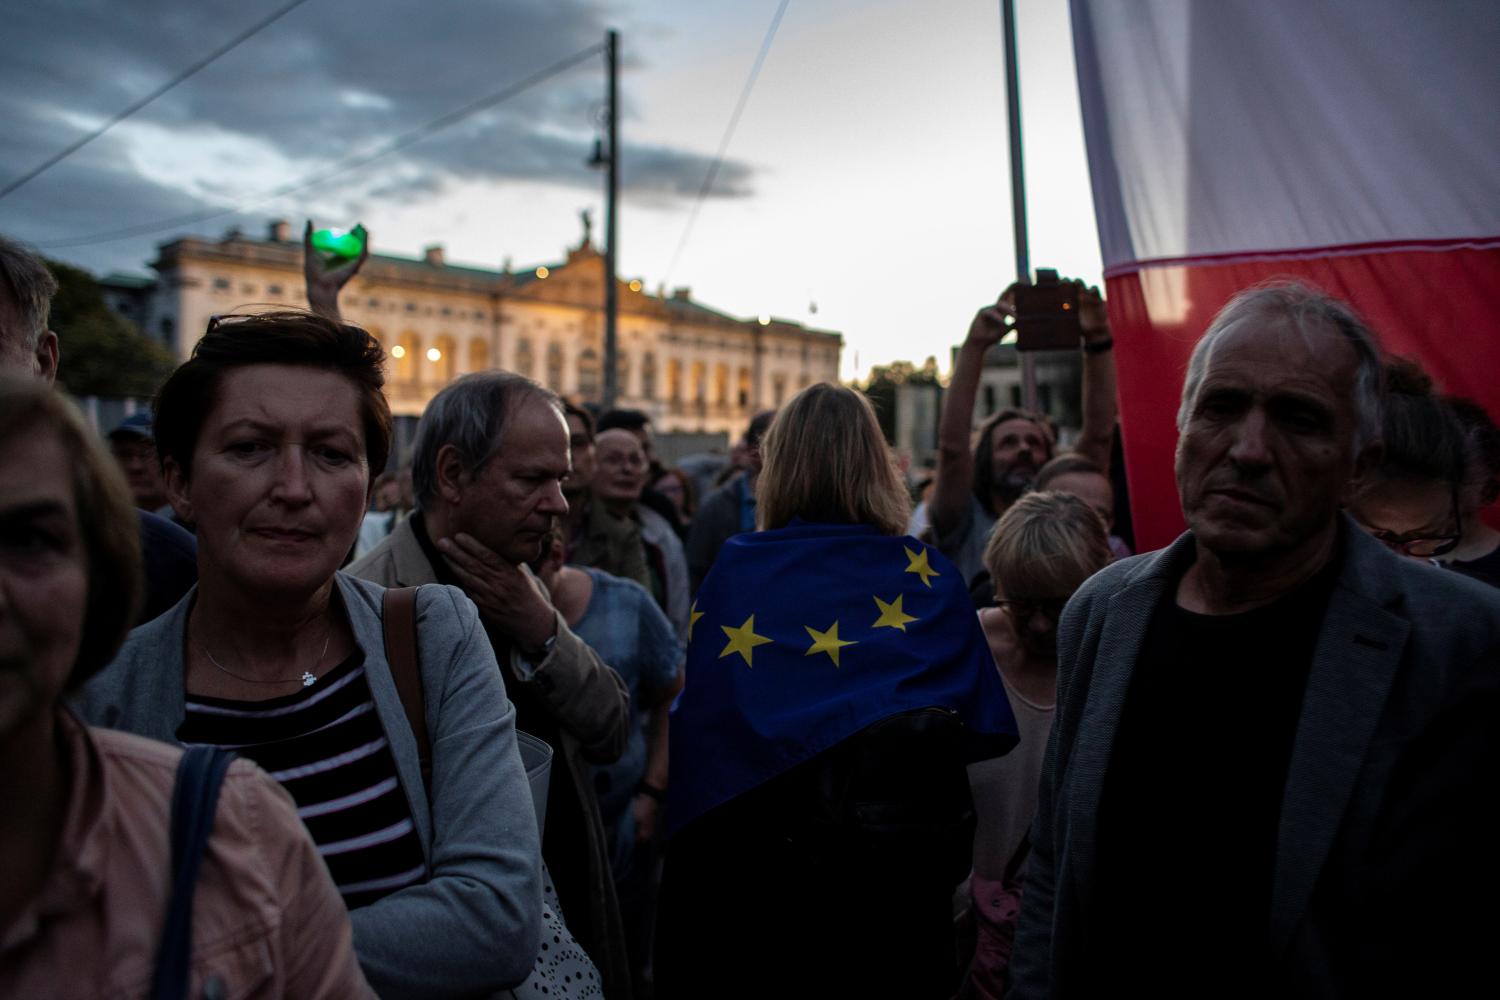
pixel 1352 145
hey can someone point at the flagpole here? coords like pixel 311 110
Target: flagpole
pixel 1017 184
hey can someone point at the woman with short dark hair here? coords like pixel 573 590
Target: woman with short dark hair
pixel 269 435
pixel 86 845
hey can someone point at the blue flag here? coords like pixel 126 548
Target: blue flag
pixel 805 635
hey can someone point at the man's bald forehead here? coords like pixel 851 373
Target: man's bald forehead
pixel 616 437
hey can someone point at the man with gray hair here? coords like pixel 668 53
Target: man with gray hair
pixel 29 348
pixel 26 290
pixel 1261 775
pixel 488 465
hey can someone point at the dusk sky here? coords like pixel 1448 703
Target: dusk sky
pixel 868 174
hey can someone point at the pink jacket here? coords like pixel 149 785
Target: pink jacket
pixel 267 921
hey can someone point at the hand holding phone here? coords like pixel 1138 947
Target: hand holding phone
pixel 330 257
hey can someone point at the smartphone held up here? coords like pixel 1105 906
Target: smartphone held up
pixel 339 246
pixel 1046 316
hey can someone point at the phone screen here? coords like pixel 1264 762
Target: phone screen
pixel 339 245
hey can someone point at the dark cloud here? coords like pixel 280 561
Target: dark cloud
pixel 331 80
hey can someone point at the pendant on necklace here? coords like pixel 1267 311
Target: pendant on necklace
pixel 308 679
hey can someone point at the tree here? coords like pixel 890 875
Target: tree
pixel 102 353
pixel 880 388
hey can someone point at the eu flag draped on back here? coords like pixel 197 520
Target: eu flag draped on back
pixel 805 635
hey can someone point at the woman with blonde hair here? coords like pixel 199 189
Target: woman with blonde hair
pixel 837 685
pixel 86 873
pixel 1041 551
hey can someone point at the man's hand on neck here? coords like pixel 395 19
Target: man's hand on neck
pixel 506 595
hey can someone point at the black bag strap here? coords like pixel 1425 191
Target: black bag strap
pixel 195 799
pixel 400 619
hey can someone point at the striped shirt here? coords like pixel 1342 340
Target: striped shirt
pixel 326 746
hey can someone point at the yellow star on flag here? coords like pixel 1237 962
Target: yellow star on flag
pixel 743 640
pixel 916 562
pixel 693 615
pixel 827 642
pixel 891 615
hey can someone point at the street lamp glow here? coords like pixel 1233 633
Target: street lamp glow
pixel 635 285
pixel 398 352
pixel 765 320
pixel 542 272
pixel 433 354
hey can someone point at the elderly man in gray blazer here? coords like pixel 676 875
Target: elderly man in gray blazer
pixel 487 469
pixel 1272 766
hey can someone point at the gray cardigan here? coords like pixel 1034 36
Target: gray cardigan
pixel 475 926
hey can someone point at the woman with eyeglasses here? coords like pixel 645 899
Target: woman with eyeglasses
pixel 1478 551
pixel 1413 501
pixel 1042 550
pixel 269 436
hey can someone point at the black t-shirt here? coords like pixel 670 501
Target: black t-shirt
pixel 1192 798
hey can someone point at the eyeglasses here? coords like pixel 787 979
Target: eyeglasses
pixel 1050 608
pixel 1420 544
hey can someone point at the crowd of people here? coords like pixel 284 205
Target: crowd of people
pixel 533 712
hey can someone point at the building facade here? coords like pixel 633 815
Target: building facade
pixel 690 367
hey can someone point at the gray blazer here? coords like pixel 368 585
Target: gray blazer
pixel 1402 650
pixel 475 926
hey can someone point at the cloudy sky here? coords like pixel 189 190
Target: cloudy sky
pixel 868 173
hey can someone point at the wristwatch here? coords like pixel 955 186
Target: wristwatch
pixel 545 652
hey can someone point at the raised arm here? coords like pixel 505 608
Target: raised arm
pixel 954 481
pixel 325 283
pixel 1100 398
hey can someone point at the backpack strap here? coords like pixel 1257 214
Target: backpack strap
pixel 400 618
pixel 195 799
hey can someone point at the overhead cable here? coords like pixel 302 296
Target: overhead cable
pixel 400 142
pixel 74 147
pixel 734 121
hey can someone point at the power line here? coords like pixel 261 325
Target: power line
pixel 734 121
pixel 400 142
pixel 138 105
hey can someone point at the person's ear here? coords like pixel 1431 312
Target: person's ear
pixel 47 355
pixel 178 489
pixel 452 478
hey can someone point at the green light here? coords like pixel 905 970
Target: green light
pixel 337 245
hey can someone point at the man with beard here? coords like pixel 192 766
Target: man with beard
pixel 975 484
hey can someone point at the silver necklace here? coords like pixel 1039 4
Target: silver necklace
pixel 308 678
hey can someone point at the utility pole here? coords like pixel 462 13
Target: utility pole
pixel 611 223
pixel 1018 185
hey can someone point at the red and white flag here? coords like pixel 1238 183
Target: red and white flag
pixel 1351 145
